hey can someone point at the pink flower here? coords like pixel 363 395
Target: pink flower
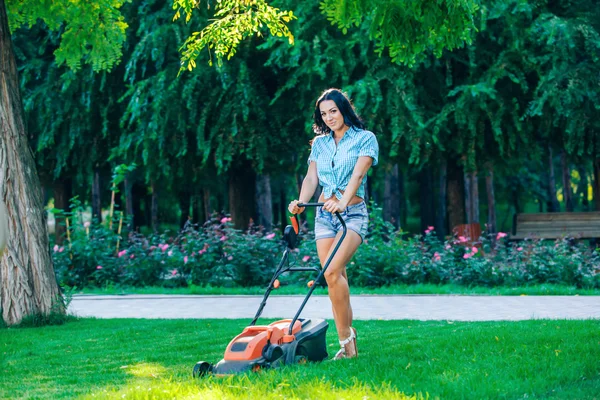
pixel 122 253
pixel 448 247
pixel 163 247
pixel 61 249
pixel 86 224
pixel 185 259
pixel 436 256
pixel 430 228
pixel 132 256
pixel 270 236
pixel 152 248
pixel 467 255
pixel 170 253
pixel 305 258
pixel 224 220
pixel 174 272
pixel 55 248
pixel 519 249
pixel 500 235
pixel 223 238
pixel 462 239
pixel 202 252
pixel 230 258
pixel 474 250
pixel 99 267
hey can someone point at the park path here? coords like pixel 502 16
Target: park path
pixel 365 307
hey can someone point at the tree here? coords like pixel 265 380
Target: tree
pixel 93 32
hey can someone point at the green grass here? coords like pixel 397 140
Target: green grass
pixel 141 359
pixel 534 290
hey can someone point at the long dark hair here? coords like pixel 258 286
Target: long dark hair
pixel 344 105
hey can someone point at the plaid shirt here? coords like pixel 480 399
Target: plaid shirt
pixel 335 164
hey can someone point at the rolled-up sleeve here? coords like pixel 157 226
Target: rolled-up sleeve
pixel 370 148
pixel 313 152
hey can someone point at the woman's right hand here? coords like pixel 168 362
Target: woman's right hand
pixel 293 207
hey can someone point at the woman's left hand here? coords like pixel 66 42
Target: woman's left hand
pixel 334 205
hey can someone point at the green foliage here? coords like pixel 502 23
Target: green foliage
pixel 92 32
pixel 234 21
pixel 407 29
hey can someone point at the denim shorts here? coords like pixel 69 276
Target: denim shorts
pixel 356 217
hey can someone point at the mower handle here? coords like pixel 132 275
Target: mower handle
pixel 322 273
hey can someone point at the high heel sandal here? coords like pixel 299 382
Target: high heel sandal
pixel 350 340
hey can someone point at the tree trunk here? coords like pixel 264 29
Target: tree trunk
pixel 426 198
pixel 456 201
pixel 552 204
pixel 96 202
pixel 197 210
pixel 566 180
pixel 264 202
pixel 242 187
pixel 27 281
pixel 402 198
pixel 582 188
pixel 442 214
pixel 597 183
pixel 468 193
pixel 491 199
pixel 206 204
pixel 154 207
pixel 128 183
pixel 138 194
pixel 185 202
pixel 391 197
pixel 471 197
pixel 63 192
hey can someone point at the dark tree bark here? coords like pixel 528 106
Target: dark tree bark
pixel 582 188
pixel 206 203
pixel 552 204
pixel 566 180
pixel 471 183
pixel 197 210
pixel 27 282
pixel 491 199
pixel 597 184
pixel 456 200
pixel 426 198
pixel 242 187
pixel 154 207
pixel 402 198
pixel 96 199
pixel 139 195
pixel 63 192
pixel 185 203
pixel 264 204
pixel 128 183
pixel 391 196
pixel 442 214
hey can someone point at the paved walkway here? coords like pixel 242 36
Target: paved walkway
pixel 417 307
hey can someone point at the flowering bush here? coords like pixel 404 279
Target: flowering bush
pixel 217 254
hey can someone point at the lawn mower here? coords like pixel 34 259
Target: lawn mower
pixel 288 341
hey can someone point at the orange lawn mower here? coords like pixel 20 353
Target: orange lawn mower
pixel 284 342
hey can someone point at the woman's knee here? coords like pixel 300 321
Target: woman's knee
pixel 332 276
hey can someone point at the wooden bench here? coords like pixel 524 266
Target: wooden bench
pixel 579 225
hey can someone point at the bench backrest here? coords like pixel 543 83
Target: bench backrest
pixel 556 225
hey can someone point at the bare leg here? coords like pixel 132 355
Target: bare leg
pixel 337 280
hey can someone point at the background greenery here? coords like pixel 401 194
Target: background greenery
pixel 521 97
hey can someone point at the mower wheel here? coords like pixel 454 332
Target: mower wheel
pixel 273 352
pixel 201 369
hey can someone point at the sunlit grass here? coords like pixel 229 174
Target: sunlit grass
pixel 534 290
pixel 142 359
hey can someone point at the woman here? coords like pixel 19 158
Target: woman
pixel 341 155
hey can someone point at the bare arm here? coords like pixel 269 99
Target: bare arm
pixel 360 170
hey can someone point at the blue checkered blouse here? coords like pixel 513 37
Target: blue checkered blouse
pixel 335 164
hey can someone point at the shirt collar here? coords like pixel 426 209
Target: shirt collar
pixel 351 131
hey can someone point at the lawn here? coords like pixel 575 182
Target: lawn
pixel 143 359
pixel 423 288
